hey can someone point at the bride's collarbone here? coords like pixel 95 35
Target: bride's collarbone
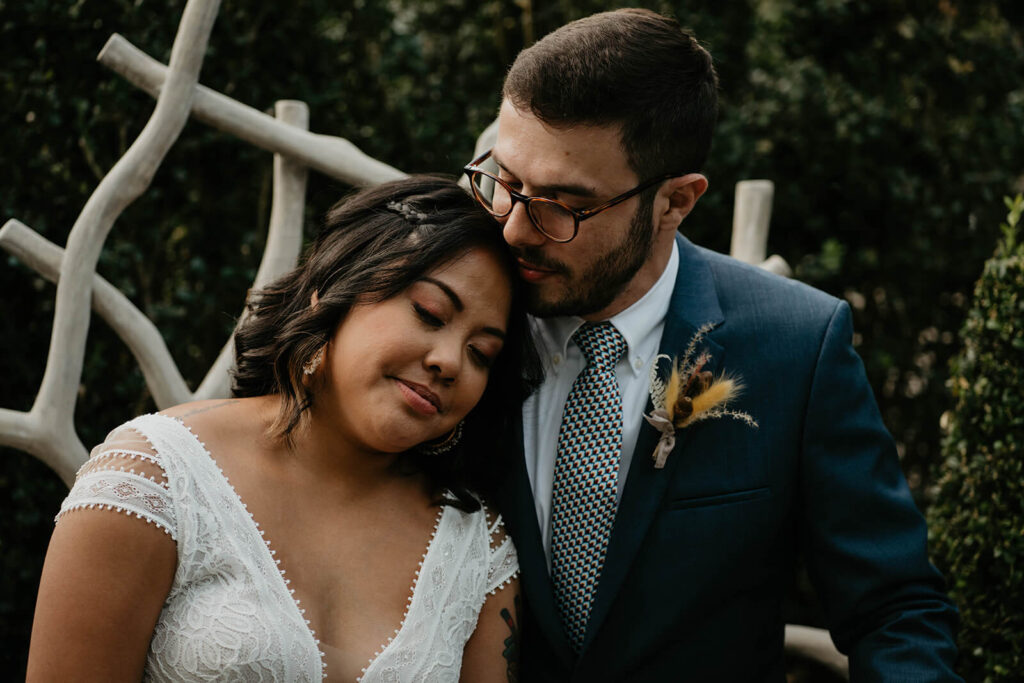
pixel 351 549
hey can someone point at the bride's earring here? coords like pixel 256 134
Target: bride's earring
pixel 313 364
pixel 444 445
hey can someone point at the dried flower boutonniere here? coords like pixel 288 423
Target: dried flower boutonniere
pixel 690 395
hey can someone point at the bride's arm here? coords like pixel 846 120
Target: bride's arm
pixel 492 652
pixel 109 567
pixel 104 582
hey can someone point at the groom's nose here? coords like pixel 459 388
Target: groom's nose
pixel 519 230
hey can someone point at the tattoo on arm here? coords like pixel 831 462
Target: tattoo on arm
pixel 196 411
pixel 511 652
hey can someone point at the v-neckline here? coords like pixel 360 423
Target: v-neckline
pixel 413 592
pixel 283 583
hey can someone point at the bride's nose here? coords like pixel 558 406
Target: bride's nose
pixel 444 358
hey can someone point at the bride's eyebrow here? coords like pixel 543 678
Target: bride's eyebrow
pixel 456 301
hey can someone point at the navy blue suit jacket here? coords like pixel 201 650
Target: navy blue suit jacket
pixel 703 550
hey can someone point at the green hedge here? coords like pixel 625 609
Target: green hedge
pixel 977 523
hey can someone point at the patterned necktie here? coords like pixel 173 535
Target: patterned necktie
pixel 586 477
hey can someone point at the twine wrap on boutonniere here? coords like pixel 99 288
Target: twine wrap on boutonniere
pixel 690 394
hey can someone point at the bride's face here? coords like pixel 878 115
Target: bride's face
pixel 408 369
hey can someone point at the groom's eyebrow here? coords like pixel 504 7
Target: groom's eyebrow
pixel 457 302
pixel 557 188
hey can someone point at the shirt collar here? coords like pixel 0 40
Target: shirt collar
pixel 635 323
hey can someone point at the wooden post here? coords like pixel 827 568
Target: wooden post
pixel 751 216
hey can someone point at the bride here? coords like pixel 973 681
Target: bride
pixel 325 522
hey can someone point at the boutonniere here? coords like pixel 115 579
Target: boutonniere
pixel 690 394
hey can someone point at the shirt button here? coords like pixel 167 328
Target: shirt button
pixel 638 363
pixel 556 359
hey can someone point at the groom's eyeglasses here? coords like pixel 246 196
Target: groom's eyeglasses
pixel 551 218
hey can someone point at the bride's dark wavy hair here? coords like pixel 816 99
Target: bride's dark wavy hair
pixel 373 245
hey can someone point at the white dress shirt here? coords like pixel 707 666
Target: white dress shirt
pixel 641 326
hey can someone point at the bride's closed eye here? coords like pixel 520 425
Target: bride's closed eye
pixel 428 317
pixel 481 358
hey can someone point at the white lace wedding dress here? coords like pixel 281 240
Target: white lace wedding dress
pixel 230 614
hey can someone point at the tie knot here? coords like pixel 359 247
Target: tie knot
pixel 602 345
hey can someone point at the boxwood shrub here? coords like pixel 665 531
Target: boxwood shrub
pixel 977 520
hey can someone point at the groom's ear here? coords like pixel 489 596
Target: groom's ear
pixel 676 199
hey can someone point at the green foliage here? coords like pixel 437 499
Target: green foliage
pixel 890 128
pixel 977 523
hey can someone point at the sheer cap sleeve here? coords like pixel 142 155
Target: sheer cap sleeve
pixel 503 563
pixel 124 474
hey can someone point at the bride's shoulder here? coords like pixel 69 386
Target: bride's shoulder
pixel 487 517
pixel 216 421
pixel 502 559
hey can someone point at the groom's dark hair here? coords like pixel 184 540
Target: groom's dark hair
pixel 374 244
pixel 630 67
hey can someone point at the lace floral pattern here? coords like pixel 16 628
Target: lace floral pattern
pixel 230 614
pixel 458 572
pixel 120 477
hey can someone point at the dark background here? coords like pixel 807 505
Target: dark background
pixel 891 128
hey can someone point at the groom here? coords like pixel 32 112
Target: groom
pixel 634 570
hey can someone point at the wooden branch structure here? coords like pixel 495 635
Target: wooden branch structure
pixel 128 322
pixel 751 216
pixel 284 239
pixel 47 430
pixel 816 644
pixel 284 242
pixel 332 156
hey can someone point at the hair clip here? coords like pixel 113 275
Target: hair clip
pixel 407 212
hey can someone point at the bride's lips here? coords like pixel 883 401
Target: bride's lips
pixel 531 272
pixel 419 397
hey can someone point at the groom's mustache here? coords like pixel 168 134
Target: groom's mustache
pixel 534 256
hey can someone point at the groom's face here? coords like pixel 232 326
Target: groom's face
pixel 601 270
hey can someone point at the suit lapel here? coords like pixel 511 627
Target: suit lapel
pixel 694 303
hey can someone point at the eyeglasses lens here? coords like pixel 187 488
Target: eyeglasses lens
pixel 483 188
pixel 551 217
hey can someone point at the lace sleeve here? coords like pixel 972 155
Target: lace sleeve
pixel 124 473
pixel 503 563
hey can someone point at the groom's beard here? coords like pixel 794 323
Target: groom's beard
pixel 596 285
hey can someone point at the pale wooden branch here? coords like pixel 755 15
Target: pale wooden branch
pixel 131 175
pixel 284 240
pixel 129 323
pixel 484 141
pixel 332 156
pixel 776 264
pixel 816 644
pixel 752 213
pixel 48 439
pixel 17 430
